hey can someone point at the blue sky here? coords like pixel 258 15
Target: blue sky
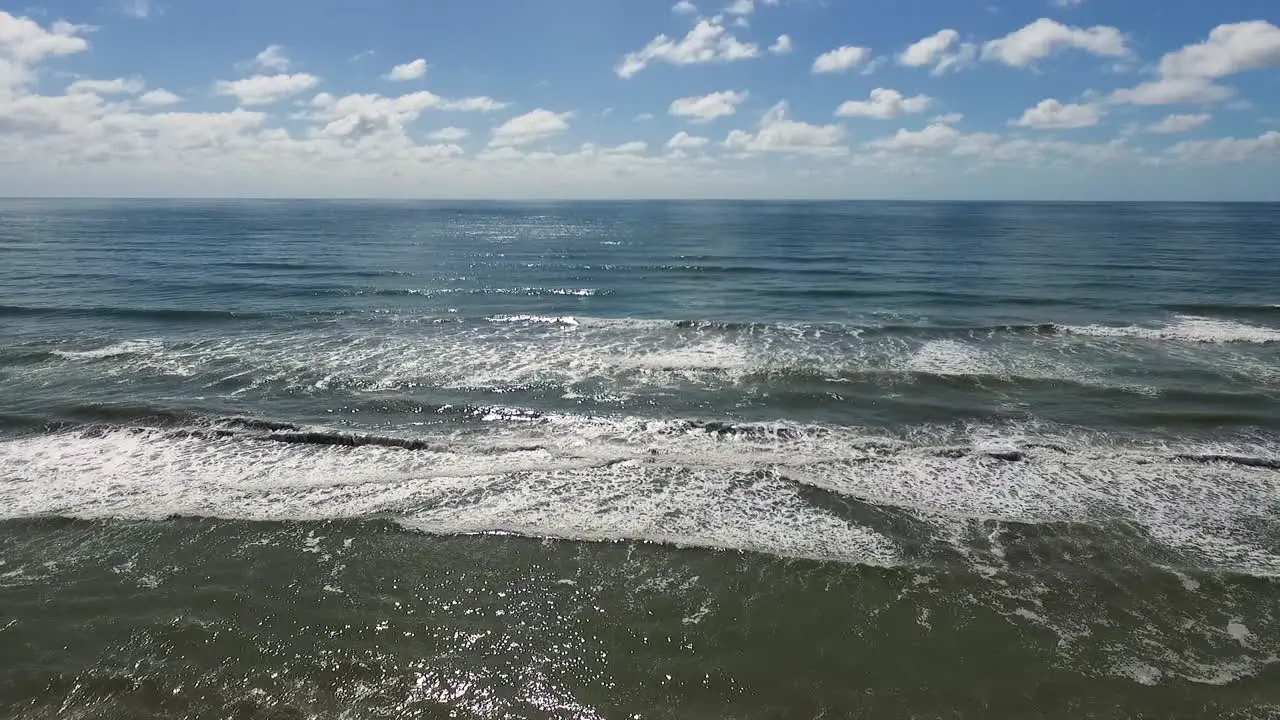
pixel 998 99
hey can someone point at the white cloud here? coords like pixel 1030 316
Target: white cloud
pixel 741 7
pixel 933 137
pixel 266 89
pixel 450 134
pixel 840 59
pixel 140 9
pixel 1052 114
pixel 782 45
pixel 708 107
pixel 1044 37
pixel 273 59
pixel 474 104
pixel 352 118
pixel 159 97
pixel 1187 75
pixel 1172 91
pixel 778 133
pixel 118 86
pixel 1179 123
pixel 531 127
pixel 941 51
pixel 635 147
pixel 408 71
pixel 643 117
pixel 884 104
pixel 24 41
pixel 707 42
pixel 684 141
pixel 1067 3
pixel 1228 150
pixel 684 7
pixel 1230 49
pixel 949 118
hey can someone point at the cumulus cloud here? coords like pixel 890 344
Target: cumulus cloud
pixel 684 7
pixel 1179 123
pixel 841 59
pixel 1045 37
pixel 778 133
pixel 408 71
pixel 1052 114
pixel 158 98
pixel 949 118
pixel 884 104
pixel 266 89
pixel 24 41
pixel 782 45
pixel 706 108
pixel 533 126
pixel 1187 75
pixel 272 59
pixel 118 86
pixel 450 134
pixel 684 141
pixel 707 42
pixel 942 51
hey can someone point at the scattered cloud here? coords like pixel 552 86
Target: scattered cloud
pixel 643 117
pixel 707 42
pixel 408 71
pixel 1045 37
pixel 884 104
pixel 272 59
pixel 708 107
pixel 1187 75
pixel 741 7
pixel 159 98
pixel 778 133
pixel 942 51
pixel 450 134
pixel 841 59
pixel 24 41
pixel 781 46
pixel 949 118
pixel 1228 150
pixel 266 89
pixel 1067 3
pixel 118 86
pixel 635 147
pixel 684 141
pixel 1179 123
pixel 1172 91
pixel 532 127
pixel 684 7
pixel 1052 114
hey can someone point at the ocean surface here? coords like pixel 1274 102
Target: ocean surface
pixel 639 460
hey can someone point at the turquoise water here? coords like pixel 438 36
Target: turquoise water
pixel 748 460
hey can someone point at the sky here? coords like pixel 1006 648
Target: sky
pixel 830 99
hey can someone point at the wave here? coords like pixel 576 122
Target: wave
pixel 1185 328
pixel 748 486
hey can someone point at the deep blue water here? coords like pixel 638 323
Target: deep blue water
pixel 1016 412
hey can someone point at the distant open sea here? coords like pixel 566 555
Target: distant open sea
pixel 287 459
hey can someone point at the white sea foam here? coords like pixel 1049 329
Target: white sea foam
pixel 666 481
pixel 1186 328
pixel 128 347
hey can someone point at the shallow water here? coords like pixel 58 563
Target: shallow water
pixel 743 460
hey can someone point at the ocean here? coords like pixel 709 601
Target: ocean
pixel 303 459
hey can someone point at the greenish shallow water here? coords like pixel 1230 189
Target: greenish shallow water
pixel 639 460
